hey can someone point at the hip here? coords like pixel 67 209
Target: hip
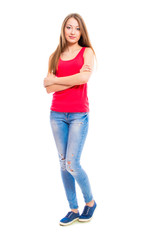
pixel 70 117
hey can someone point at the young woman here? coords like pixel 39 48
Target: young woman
pixel 70 68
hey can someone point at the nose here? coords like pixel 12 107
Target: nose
pixel 73 31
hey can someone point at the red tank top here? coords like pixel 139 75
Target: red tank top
pixel 73 99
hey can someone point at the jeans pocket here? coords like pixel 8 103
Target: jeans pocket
pixel 80 117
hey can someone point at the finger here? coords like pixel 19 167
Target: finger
pixel 86 65
pixel 88 68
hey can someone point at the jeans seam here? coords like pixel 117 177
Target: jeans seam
pixel 82 138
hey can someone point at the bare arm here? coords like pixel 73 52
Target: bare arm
pixel 76 79
pixel 54 84
pixel 56 88
pixel 82 77
pixel 60 87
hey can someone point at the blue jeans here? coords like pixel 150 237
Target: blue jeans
pixel 70 131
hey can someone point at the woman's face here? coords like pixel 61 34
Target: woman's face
pixel 72 31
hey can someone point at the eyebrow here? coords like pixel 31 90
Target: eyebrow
pixel 72 25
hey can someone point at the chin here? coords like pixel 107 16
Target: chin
pixel 71 41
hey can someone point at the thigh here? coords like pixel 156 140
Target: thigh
pixel 78 129
pixel 60 129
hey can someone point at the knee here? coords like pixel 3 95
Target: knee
pixel 72 168
pixel 69 167
pixel 62 162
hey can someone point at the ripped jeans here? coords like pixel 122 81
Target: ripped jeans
pixel 70 131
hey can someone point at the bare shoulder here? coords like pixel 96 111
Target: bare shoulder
pixel 88 56
pixel 88 51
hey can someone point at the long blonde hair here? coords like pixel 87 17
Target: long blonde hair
pixel 84 41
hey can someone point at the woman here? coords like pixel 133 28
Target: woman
pixel 70 68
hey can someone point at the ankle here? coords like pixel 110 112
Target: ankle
pixel 74 210
pixel 90 204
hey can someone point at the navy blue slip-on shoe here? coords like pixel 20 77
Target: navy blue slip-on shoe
pixel 69 218
pixel 87 213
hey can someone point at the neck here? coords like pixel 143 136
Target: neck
pixel 72 47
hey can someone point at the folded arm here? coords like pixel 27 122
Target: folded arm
pixel 76 79
pixel 53 83
pixel 57 87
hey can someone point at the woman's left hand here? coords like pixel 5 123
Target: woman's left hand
pixel 49 80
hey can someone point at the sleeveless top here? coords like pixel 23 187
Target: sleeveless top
pixel 73 99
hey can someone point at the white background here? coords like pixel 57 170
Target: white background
pixel 121 153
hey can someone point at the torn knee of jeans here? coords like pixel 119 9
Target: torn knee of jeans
pixel 62 162
pixel 69 166
pixel 63 165
pixel 62 157
pixel 70 169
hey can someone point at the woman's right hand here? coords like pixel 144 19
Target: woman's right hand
pixel 49 80
pixel 86 68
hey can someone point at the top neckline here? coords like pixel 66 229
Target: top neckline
pixel 72 58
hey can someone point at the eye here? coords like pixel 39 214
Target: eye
pixel 68 27
pixel 78 29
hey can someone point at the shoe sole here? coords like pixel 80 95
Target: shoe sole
pixel 66 224
pixel 85 220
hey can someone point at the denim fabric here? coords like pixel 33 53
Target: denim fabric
pixel 70 131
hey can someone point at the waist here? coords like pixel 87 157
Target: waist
pixel 74 99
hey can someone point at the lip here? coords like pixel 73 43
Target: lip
pixel 72 37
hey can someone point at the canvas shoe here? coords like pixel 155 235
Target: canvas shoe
pixel 69 218
pixel 87 213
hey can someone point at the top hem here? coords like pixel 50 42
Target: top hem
pixel 71 111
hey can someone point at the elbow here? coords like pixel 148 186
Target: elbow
pixel 85 77
pixel 48 90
